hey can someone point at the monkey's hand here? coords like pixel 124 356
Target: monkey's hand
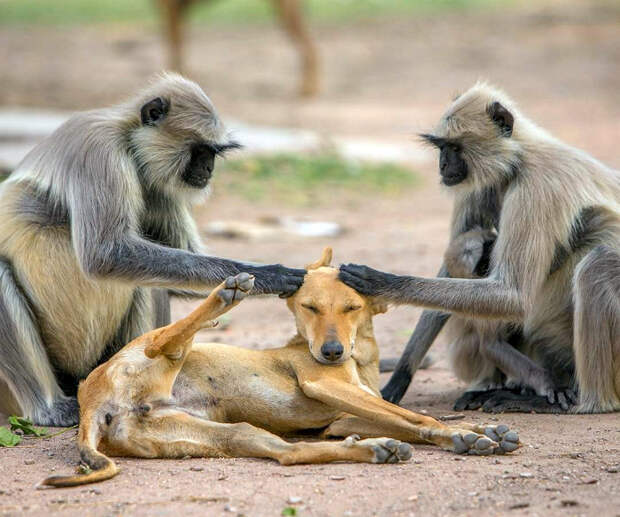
pixel 275 279
pixel 366 280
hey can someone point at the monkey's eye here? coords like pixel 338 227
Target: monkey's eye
pixel 351 308
pixel 311 308
pixel 222 149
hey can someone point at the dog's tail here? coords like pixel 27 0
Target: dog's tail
pixel 96 466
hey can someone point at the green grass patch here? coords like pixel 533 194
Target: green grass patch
pixel 71 12
pixel 310 178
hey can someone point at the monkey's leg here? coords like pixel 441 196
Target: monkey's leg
pixel 427 329
pixel 291 16
pixel 175 434
pixel 470 365
pixel 525 373
pixel 25 367
pixel 597 330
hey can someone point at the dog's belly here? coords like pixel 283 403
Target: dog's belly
pixel 240 385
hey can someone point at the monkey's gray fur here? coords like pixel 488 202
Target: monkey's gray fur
pixel 487 361
pixel 555 267
pixel 95 230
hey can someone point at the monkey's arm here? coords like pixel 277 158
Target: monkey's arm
pixel 151 264
pixel 483 298
pixel 105 201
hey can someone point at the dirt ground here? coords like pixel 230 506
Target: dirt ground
pixel 384 80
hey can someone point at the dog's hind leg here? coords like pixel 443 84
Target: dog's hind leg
pixel 175 340
pixel 168 433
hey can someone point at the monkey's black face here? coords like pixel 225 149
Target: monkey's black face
pixel 200 167
pixel 452 167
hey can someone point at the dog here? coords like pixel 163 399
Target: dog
pixel 161 397
pixel 291 17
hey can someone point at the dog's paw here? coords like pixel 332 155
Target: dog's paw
pixel 236 288
pixel 470 442
pixel 508 441
pixel 387 450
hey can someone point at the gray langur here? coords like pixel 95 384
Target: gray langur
pixel 555 266
pixel 95 232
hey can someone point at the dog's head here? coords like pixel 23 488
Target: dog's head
pixel 329 314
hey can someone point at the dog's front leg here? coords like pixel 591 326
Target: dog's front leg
pixel 382 416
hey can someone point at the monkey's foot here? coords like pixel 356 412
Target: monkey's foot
pixel 64 412
pixel 236 288
pixel 473 400
pixel 386 450
pixel 507 401
pixel 563 397
pixel 470 442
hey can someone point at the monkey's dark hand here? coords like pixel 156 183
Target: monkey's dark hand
pixel 275 279
pixel 366 280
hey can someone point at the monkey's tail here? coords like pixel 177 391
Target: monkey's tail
pixel 98 466
pixel 389 364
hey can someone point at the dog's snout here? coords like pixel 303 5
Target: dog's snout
pixel 332 350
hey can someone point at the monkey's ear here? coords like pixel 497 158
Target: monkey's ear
pixel 154 111
pixel 502 118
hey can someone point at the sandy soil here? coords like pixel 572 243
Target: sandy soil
pixel 383 80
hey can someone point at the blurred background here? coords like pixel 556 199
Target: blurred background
pixel 329 160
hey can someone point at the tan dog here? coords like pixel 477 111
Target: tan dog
pixel 161 397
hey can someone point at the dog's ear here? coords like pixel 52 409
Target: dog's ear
pixel 325 260
pixel 378 306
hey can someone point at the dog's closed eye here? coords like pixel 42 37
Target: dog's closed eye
pixel 351 308
pixel 311 308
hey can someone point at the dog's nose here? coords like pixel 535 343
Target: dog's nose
pixel 332 350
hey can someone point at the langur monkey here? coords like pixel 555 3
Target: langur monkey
pixel 555 266
pixel 96 230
